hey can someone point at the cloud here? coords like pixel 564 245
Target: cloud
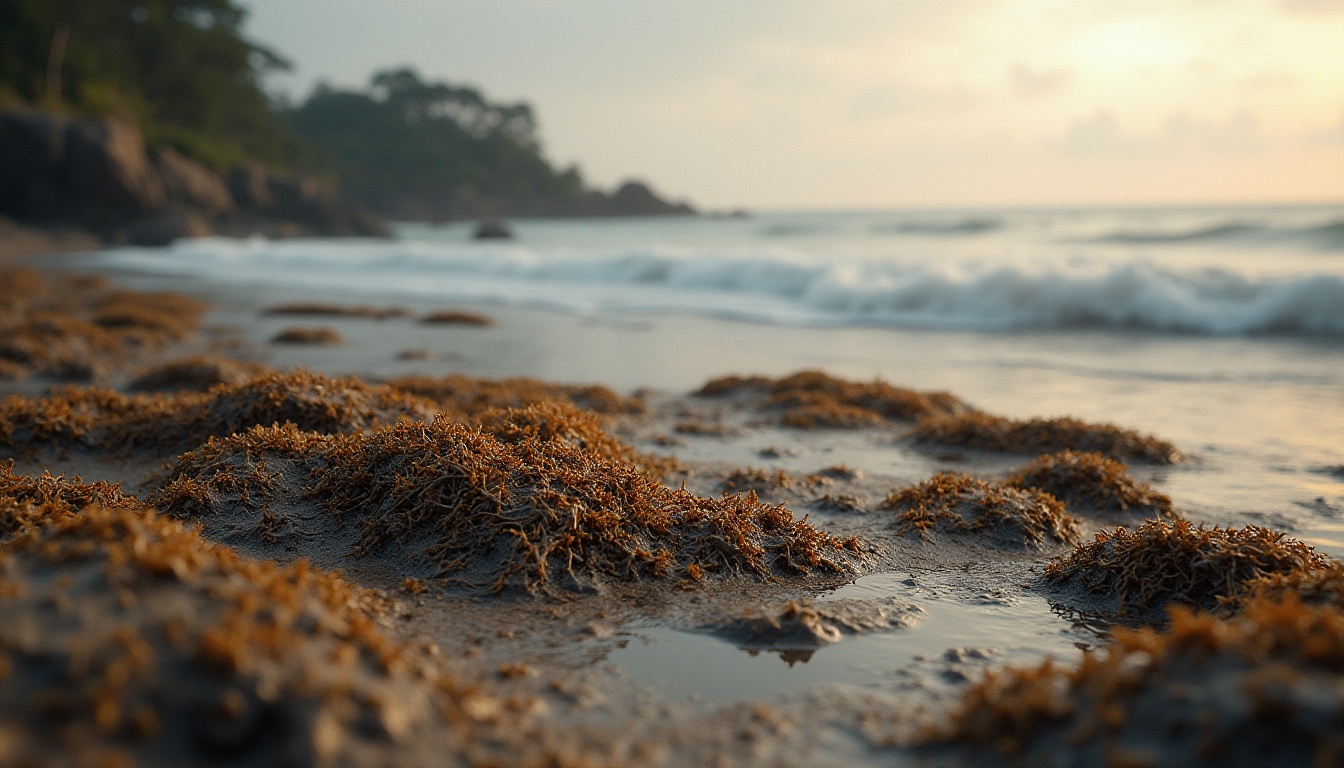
pixel 1312 7
pixel 1029 82
pixel 1330 137
pixel 1180 133
pixel 1271 81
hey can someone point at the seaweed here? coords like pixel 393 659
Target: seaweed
pixel 131 640
pixel 110 421
pixel 1162 563
pixel 28 502
pixel 554 420
pixel 469 396
pixel 195 374
pixel 1093 483
pixel 320 309
pixel 701 428
pixel 962 505
pixel 1317 586
pixel 523 502
pixel 758 480
pixel 75 328
pixel 457 317
pixel 1261 688
pixel 319 336
pixel 815 400
pixel 984 432
pixel 535 511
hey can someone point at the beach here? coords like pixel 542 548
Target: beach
pixel 1225 398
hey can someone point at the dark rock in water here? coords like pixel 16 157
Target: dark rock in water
pixel 493 229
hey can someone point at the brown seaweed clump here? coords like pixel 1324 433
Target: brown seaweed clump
pixel 1092 483
pixel 1317 586
pixel 319 309
pixel 963 505
pixel 75 328
pixel 757 480
pixel 108 420
pixel 510 505
pixel 457 317
pixel 555 420
pixel 815 400
pixel 131 640
pixel 319 336
pixel 469 396
pixel 196 374
pixel 28 502
pixel 1160 563
pixel 541 514
pixel 979 431
pixel 1264 687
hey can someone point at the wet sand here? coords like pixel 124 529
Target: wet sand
pixel 854 664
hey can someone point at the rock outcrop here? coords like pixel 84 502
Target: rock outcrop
pixel 96 175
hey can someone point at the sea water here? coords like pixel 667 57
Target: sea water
pixel 1221 329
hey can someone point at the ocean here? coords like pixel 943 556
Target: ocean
pixel 1221 329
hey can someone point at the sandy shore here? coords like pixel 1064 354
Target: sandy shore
pixel 776 643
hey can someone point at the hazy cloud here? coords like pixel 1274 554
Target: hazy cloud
pixel 1313 7
pixel 1028 81
pixel 1330 137
pixel 1102 134
pixel 1271 81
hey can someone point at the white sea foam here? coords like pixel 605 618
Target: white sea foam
pixel 773 284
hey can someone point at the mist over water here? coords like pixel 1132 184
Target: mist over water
pixel 1230 271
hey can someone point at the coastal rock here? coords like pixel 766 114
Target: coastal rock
pixel 634 198
pixel 187 182
pixel 90 173
pixel 293 206
pixel 247 184
pixel 107 172
pixel 96 175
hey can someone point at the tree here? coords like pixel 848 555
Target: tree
pixel 415 149
pixel 181 68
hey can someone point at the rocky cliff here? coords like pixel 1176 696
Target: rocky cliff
pixel 97 175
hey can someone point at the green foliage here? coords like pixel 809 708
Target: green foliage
pixel 180 67
pixel 415 149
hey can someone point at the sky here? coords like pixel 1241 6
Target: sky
pixel 813 104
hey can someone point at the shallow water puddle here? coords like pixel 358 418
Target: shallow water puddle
pixel 954 642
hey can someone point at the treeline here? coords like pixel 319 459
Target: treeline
pixel 184 73
pixel 416 150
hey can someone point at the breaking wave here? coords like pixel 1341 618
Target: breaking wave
pixel 1329 235
pixel 782 286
